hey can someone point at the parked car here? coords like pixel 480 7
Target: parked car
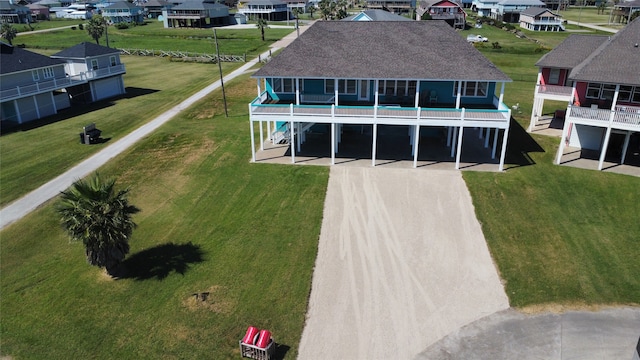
pixel 476 38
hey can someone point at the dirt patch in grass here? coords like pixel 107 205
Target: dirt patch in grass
pixel 212 300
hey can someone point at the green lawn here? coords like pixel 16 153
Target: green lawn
pixel 154 36
pixel 51 146
pixel 210 222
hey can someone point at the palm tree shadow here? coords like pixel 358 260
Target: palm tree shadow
pixel 160 261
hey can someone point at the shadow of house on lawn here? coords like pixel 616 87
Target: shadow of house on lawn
pixel 519 145
pixel 79 109
pixel 160 261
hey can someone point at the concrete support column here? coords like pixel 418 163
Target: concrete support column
pixel 495 143
pixel 605 145
pixel 503 152
pixel 454 138
pixel 486 138
pixel 449 131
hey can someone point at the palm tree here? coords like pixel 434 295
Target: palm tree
pixel 311 9
pixel 262 24
pixel 8 32
pixel 96 27
pixel 94 213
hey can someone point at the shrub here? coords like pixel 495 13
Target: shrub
pixel 122 26
pixel 496 45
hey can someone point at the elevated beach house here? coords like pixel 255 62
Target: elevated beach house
pixel 599 78
pixel 100 68
pixel 358 80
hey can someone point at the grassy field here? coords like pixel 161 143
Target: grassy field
pixel 153 36
pixel 48 148
pixel 247 233
pixel 210 222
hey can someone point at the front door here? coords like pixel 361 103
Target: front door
pixel 363 90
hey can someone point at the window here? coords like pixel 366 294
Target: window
pixel 554 76
pixel 348 87
pixel 636 95
pixel 283 85
pixel 48 73
pixel 94 64
pixel 593 91
pixel 34 75
pixel 397 87
pixel 625 93
pixel 112 60
pixel 472 89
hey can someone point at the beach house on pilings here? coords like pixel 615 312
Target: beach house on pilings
pixel 358 81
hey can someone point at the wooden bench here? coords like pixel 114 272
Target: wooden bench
pixel 90 134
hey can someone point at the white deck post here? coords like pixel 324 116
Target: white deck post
pixel 605 145
pixel 417 99
pixel 374 145
pixel 334 148
pixel 259 90
pixel 375 100
pixel 563 140
pixel 503 152
pixel 261 133
pixel 501 98
pixel 335 91
pixel 300 135
pixel 454 138
pixel 495 143
pixel 625 146
pixel 416 146
pixel 253 145
pixel 459 95
pixel 297 91
pixel 292 142
pixel 459 151
pixel 486 138
pixel 35 102
pixel 449 135
pixel 269 137
pixel 534 111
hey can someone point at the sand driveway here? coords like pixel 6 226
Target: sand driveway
pixel 402 262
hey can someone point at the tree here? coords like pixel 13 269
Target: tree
pixel 8 32
pixel 96 27
pixel 312 9
pixel 91 211
pixel 333 9
pixel 262 24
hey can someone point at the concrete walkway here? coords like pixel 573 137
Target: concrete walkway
pixel 44 193
pixel 592 26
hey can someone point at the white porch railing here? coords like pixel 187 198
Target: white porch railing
pixel 391 115
pixel 555 90
pixel 625 117
pixel 61 83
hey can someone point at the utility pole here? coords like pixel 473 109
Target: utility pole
pixel 224 96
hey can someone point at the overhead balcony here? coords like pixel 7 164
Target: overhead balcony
pixel 554 92
pixel 623 118
pixel 387 115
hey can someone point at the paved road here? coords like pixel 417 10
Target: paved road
pixel 44 193
pixel 603 335
pixel 591 26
